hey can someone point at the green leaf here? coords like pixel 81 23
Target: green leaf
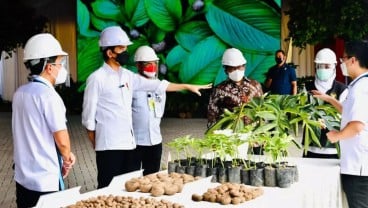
pixel 166 14
pixel 175 57
pixel 136 12
pixel 106 9
pixel 155 34
pixel 101 24
pixel 256 24
pixel 89 57
pixel 205 69
pixel 189 34
pixel 83 21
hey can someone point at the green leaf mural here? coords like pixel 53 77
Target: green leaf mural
pixel 175 57
pixel 100 24
pixel 166 14
pixel 193 42
pixel 107 10
pixel 189 34
pixel 136 12
pixel 201 66
pixel 83 21
pixel 89 57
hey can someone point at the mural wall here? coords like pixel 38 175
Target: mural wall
pixel 189 36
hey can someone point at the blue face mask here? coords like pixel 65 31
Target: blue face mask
pixel 324 74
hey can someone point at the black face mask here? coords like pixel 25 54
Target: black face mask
pixel 278 60
pixel 122 58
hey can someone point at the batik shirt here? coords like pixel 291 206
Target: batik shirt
pixel 229 95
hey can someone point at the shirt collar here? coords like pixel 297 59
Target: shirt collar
pixel 358 78
pixel 43 80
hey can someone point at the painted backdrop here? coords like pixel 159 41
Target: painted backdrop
pixel 189 36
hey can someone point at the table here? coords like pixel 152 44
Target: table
pixel 318 187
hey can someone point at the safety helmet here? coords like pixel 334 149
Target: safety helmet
pixel 114 36
pixel 42 45
pixel 145 53
pixel 325 56
pixel 233 57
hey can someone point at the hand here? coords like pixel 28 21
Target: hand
pixel 332 136
pixel 195 88
pixel 322 123
pixel 320 95
pixel 67 165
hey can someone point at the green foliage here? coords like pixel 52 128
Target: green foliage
pixel 190 42
pixel 277 116
pixel 316 21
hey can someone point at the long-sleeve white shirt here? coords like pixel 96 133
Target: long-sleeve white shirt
pixel 107 106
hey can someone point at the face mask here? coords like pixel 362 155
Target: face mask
pixel 122 58
pixel 278 60
pixel 344 69
pixel 324 74
pixel 236 75
pixel 150 74
pixel 61 77
pixel 150 70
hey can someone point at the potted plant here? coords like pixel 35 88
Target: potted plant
pixel 176 145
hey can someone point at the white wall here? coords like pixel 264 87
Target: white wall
pixel 12 73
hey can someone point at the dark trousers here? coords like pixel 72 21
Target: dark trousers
pixel 148 158
pixel 356 190
pixel 111 163
pixel 323 156
pixel 25 197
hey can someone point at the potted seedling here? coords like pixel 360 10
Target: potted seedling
pixel 176 145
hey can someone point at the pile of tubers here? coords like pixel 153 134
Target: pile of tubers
pixel 229 193
pixel 159 184
pixel 123 202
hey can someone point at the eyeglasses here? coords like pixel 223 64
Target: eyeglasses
pixel 62 63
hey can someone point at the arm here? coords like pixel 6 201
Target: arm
pixel 350 130
pixel 212 108
pixel 294 89
pixel 63 144
pixel 268 83
pixel 329 99
pixel 91 137
pixel 194 88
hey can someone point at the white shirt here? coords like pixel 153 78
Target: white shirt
pixel 107 106
pixel 354 150
pixel 38 112
pixel 148 109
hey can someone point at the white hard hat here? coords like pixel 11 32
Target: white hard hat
pixel 233 57
pixel 114 36
pixel 325 56
pixel 145 53
pixel 42 45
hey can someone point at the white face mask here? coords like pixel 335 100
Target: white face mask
pixel 344 69
pixel 236 75
pixel 150 74
pixel 61 77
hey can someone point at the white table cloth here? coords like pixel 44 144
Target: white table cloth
pixel 318 187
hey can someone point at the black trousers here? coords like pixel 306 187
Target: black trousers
pixel 27 198
pixel 148 158
pixel 356 190
pixel 111 163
